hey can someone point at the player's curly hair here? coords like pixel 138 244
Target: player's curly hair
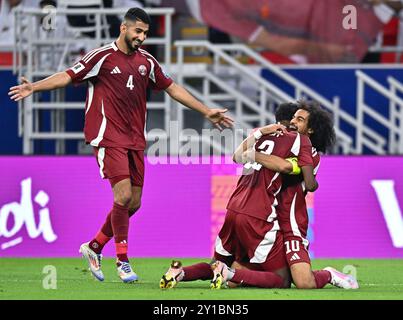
pixel 321 123
pixel 286 111
pixel 134 14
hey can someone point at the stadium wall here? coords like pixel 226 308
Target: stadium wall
pixel 50 205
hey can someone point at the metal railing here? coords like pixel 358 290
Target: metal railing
pixel 396 145
pixel 31 41
pixel 268 93
pixel 265 88
pixel 393 123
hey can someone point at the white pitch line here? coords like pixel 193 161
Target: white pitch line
pixel 20 280
pixel 378 285
pixel 11 243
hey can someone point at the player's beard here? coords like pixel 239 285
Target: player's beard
pixel 130 46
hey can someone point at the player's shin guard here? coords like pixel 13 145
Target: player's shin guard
pixel 120 226
pixel 107 227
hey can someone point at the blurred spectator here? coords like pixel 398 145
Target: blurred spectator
pixel 395 5
pixel 126 4
pixel 217 36
pixel 389 12
pixel 50 56
pixel 112 21
pixel 7 22
pixel 309 28
pixel 85 24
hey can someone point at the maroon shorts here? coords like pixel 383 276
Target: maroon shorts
pixel 296 250
pixel 254 243
pixel 117 164
pixel 293 218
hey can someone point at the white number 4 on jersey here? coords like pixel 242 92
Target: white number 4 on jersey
pixel 129 83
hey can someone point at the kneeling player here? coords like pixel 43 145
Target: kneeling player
pixel 250 231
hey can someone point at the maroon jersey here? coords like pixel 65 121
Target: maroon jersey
pixel 115 111
pixel 292 210
pixel 255 193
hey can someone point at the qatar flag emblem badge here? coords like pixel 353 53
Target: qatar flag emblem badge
pixel 143 70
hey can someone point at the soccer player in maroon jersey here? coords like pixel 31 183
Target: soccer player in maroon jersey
pixel 313 121
pixel 309 119
pixel 250 233
pixel 118 75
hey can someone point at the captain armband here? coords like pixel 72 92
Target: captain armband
pixel 295 168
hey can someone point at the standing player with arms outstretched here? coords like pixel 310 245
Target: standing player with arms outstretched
pixel 118 75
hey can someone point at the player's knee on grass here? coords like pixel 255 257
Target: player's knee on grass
pixel 284 273
pixel 302 276
pixel 304 283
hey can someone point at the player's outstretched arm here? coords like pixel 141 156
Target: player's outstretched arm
pixel 216 116
pixel 26 88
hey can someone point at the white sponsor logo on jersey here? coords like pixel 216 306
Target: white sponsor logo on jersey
pixel 116 70
pixel 295 257
pixel 143 70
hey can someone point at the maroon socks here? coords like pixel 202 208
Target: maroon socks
pixel 322 277
pixel 199 271
pixel 120 227
pixel 260 279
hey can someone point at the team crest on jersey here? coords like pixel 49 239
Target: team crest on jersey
pixel 143 70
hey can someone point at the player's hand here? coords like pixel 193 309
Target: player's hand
pixel 22 91
pixel 217 117
pixel 272 128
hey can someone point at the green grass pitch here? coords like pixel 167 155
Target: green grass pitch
pixel 23 279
